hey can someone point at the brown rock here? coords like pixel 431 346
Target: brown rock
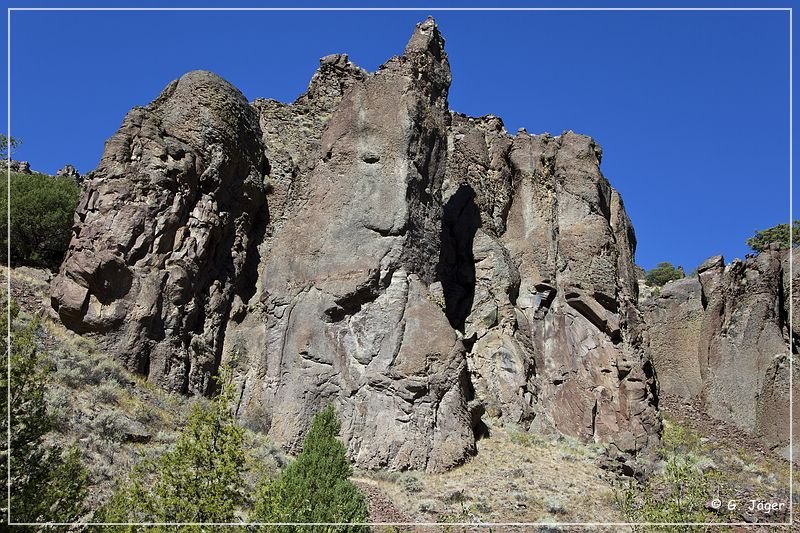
pixel 164 231
pixel 348 318
pixel 724 339
pixel 414 267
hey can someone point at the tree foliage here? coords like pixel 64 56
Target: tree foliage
pixel 48 484
pixel 42 210
pixel 7 144
pixel 199 480
pixel 775 235
pixel 315 488
pixel 661 274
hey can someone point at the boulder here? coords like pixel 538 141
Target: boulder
pixel 69 171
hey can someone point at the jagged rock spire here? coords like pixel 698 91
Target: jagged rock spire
pixel 426 38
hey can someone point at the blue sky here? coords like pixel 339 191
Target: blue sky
pixel 691 108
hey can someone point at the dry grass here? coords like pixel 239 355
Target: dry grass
pixel 514 478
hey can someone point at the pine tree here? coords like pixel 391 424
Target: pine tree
pixel 199 481
pixel 48 484
pixel 661 274
pixel 776 235
pixel 315 488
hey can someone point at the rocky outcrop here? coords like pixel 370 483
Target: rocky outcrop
pixel 539 277
pixel 675 321
pixel 417 268
pixel 69 171
pixel 723 337
pixel 347 317
pixel 22 167
pixel 164 230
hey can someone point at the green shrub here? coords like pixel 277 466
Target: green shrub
pixel 199 480
pixel 661 274
pixel 776 234
pixel 42 210
pixel 47 482
pixel 680 495
pixel 681 492
pixel 315 488
pixel 411 483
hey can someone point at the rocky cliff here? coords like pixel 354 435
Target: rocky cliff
pixel 367 247
pixel 723 339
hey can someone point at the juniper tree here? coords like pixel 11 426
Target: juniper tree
pixel 199 481
pixel 42 211
pixel 778 235
pixel 662 273
pixel 315 488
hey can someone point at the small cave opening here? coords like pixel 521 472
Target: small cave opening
pixel 460 221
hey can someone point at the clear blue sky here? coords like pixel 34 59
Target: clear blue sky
pixel 691 108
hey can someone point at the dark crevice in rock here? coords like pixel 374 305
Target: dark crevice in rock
pixel 246 284
pixel 652 380
pixel 460 221
pixel 783 318
pixel 476 410
pixel 384 232
pixel 595 314
pixel 607 301
pixel 604 202
pixel 351 304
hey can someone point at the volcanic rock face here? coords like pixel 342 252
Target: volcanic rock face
pixel 538 275
pixel 723 337
pixel 163 232
pixel 417 268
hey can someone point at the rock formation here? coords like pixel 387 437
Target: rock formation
pixel 367 247
pixel 164 230
pixel 538 274
pixel 723 338
pixel 69 171
pixel 22 167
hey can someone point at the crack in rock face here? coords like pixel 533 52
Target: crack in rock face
pixel 368 248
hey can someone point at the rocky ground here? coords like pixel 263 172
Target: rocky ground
pixel 515 477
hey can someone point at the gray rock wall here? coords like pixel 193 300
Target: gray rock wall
pixel 723 338
pixel 364 246
pixel 539 278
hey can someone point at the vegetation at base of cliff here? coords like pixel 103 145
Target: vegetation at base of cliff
pixel 48 483
pixel 200 480
pixel 316 486
pixel 778 235
pixel 203 478
pixel 661 274
pixel 42 209
pixel 680 492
